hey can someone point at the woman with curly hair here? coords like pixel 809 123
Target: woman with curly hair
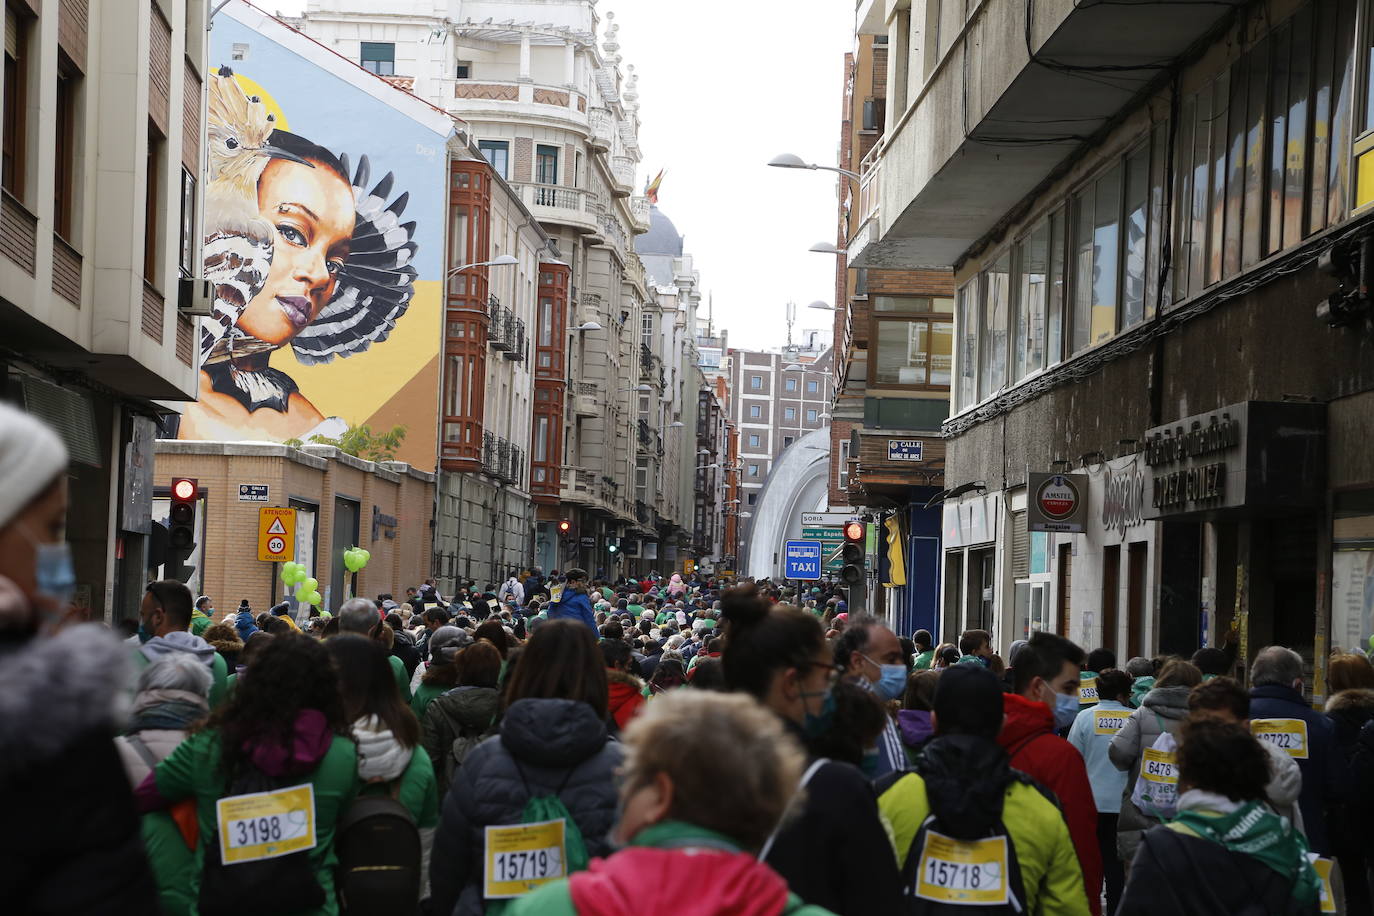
pixel 285 729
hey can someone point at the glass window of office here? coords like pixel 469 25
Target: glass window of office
pixel 992 370
pixel 755 411
pixel 789 384
pixel 812 387
pixel 756 382
pixel 914 342
pixel 378 57
pixel 789 413
pixel 811 415
pixel 546 164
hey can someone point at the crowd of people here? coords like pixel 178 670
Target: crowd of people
pixel 566 745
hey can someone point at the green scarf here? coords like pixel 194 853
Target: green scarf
pixel 1255 831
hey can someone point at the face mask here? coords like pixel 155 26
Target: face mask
pixel 891 682
pixel 1065 709
pixel 817 724
pixel 53 572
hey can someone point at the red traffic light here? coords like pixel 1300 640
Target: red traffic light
pixel 184 489
pixel 565 526
pixel 854 531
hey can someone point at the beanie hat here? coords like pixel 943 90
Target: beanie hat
pixel 448 637
pixel 968 701
pixel 31 457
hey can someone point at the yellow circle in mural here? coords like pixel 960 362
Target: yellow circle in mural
pixel 251 88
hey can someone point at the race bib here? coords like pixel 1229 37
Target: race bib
pixel 968 872
pixel 556 591
pixel 1323 869
pixel 521 857
pixel 1109 721
pixel 1288 735
pixel 265 825
pixel 1087 691
pixel 1158 767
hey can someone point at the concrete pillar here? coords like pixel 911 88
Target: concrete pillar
pixel 524 58
pixel 569 64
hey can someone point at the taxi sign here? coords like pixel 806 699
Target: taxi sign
pixel 276 534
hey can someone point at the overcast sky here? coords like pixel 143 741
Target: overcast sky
pixel 724 86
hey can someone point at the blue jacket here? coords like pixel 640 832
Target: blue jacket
pixel 246 626
pixel 576 606
pixel 1323 769
pixel 1107 781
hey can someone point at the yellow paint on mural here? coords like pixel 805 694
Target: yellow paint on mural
pixel 354 388
pixel 252 88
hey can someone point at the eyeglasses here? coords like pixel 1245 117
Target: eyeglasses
pixel 835 670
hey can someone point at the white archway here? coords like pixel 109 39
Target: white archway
pixel 799 482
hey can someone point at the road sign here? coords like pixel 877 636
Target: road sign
pixel 825 518
pixel 252 492
pixel 831 538
pixel 905 449
pixel 276 534
pixel 802 560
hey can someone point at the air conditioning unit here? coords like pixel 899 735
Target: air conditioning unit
pixel 195 296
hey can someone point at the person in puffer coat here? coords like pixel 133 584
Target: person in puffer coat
pixel 1163 709
pixel 552 741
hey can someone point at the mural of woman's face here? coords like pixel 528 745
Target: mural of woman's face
pixel 312 214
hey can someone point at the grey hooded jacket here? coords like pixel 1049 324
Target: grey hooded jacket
pixel 1163 709
pixel 543 744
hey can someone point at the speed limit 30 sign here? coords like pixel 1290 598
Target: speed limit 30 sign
pixel 276 534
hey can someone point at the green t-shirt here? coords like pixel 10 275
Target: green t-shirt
pixel 923 660
pixel 424 695
pixel 398 668
pixel 192 771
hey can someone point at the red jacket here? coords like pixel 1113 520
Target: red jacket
pixel 1028 736
pixel 626 696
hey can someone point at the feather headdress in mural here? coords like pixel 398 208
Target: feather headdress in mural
pixel 376 282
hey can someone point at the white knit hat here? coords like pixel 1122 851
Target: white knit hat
pixel 31 456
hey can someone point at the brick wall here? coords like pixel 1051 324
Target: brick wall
pixel 910 283
pixel 523 166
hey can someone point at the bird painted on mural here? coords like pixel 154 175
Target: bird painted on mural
pixel 238 241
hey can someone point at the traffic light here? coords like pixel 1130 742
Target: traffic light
pixel 181 516
pixel 852 553
pixel 565 528
pixel 613 547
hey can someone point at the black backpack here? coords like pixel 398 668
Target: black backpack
pixel 265 887
pixel 378 846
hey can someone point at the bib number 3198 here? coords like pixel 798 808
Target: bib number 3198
pixel 963 871
pixel 264 825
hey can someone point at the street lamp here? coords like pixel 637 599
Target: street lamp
pixel 588 326
pixel 676 424
pixel 821 306
pixel 501 260
pixel 793 161
pixel 825 248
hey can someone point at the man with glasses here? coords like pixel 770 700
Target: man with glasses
pixel 870 655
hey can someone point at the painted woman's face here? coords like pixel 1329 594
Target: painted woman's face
pixel 312 213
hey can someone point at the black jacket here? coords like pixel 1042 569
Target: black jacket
pixel 540 742
pixel 1178 875
pixel 836 854
pixel 464 712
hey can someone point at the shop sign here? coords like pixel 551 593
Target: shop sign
pixel 1123 499
pixel 1057 502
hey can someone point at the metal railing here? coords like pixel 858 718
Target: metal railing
pixel 515 337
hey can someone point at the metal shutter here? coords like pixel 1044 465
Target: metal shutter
pixel 70 415
pixel 1020 546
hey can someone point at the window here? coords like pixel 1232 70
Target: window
pixel 646 329
pixel 811 415
pixel 789 413
pixel 915 341
pixel 787 440
pixel 378 57
pixel 812 386
pixel 756 382
pixel 497 153
pixel 752 498
pixel 755 411
pixel 15 123
pixel 753 470
pixel 546 164
pixel 187 251
pixel 966 317
pixel 753 440
pixel 239 51
pixel 463 70
pixel 992 373
pixel 843 471
pixel 150 204
pixel 64 158
pixel 789 384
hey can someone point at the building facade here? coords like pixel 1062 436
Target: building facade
pixel 100 193
pixel 1157 302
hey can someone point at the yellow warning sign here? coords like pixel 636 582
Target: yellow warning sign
pixel 276 534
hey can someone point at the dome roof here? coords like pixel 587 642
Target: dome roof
pixel 662 237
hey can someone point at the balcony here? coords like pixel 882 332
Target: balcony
pixel 646 436
pixel 497 324
pixel 557 204
pixel 949 177
pixel 639 215
pixel 515 338
pixel 613 233
pixel 886 462
pixel 484 96
pixel 622 176
pixel 601 129
pixel 585 400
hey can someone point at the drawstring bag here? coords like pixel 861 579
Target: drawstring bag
pixel 545 846
pixel 1156 786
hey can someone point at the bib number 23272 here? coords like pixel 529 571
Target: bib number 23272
pixel 963 871
pixel 521 857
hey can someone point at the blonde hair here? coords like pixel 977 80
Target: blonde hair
pixel 734 768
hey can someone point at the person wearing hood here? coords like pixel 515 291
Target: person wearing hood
pixel 835 852
pixel 913 719
pixel 461 718
pixel 244 621
pixel 224 639
pixel 513 591
pixel 390 760
pixel 1092 734
pixel 870 655
pixel 552 742
pixel 626 692
pixel 163 619
pixel 675 587
pixel 285 724
pixel 1350 680
pixel 75 844
pixel 1280 713
pixel 573 603
pixel 964 781
pixel 690 828
pixel 1224 852
pixel 1163 709
pixel 172 697
pixel 1046 700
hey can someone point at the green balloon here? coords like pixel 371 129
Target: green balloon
pixel 367 555
pixel 311 583
pixel 314 598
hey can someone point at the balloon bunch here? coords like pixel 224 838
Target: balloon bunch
pixel 307 587
pixel 355 558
